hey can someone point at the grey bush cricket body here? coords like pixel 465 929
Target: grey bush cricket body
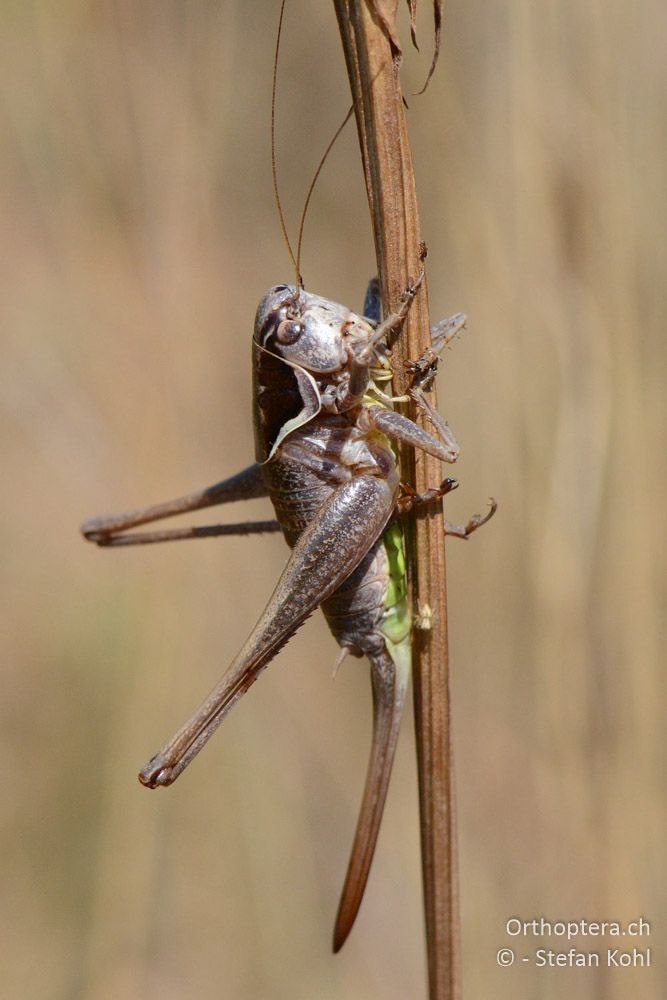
pixel 325 431
pixel 324 427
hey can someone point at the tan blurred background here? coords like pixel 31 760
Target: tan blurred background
pixel 138 234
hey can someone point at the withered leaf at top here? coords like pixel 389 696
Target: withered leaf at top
pixel 386 11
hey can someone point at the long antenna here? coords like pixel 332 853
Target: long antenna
pixel 296 261
pixel 281 217
pixel 312 185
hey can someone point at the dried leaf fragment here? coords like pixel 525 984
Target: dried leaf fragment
pixel 412 7
pixel 386 11
pixel 437 25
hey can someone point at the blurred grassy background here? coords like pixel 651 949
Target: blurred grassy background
pixel 139 234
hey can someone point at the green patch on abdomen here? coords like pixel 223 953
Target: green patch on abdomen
pixel 396 624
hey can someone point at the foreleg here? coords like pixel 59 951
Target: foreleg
pixel 385 331
pixel 392 324
pixel 425 368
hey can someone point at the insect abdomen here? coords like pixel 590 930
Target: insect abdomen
pixel 369 611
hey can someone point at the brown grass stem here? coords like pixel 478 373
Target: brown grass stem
pixel 387 163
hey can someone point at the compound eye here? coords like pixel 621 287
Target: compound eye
pixel 289 332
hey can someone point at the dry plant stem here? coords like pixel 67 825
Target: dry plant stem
pixel 390 184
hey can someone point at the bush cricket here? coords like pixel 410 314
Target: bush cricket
pixel 325 433
pixel 323 430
